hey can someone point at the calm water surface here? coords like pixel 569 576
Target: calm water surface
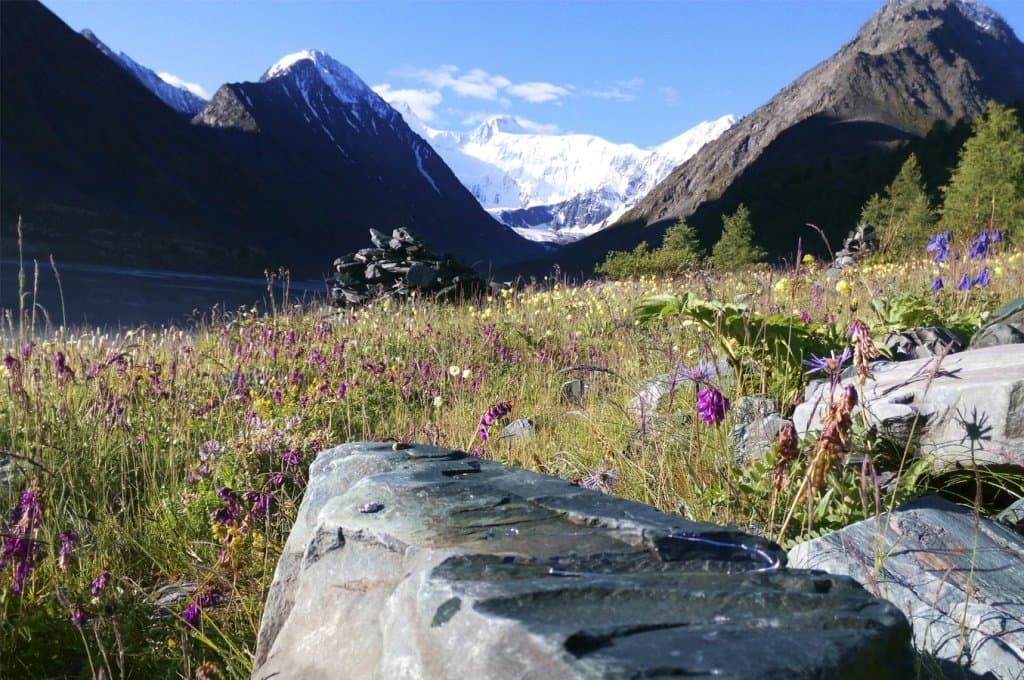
pixel 122 297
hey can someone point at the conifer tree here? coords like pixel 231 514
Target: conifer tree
pixel 680 247
pixel 735 249
pixel 902 214
pixel 986 190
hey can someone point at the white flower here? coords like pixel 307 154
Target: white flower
pixel 454 371
pixel 438 401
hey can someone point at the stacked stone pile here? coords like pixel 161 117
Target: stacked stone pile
pixel 858 244
pixel 397 265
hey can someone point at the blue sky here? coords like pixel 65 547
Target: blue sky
pixel 640 71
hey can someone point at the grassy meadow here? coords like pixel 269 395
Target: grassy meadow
pixel 154 473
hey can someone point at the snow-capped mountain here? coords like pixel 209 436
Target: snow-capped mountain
pixel 178 98
pixel 357 159
pixel 557 188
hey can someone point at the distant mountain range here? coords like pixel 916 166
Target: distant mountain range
pixel 816 151
pixel 557 188
pixel 177 97
pixel 108 163
pixel 292 170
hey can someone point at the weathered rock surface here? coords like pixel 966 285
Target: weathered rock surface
pixel 1006 327
pixel 959 579
pixel 469 569
pixel 754 440
pixel 965 409
pixel 921 343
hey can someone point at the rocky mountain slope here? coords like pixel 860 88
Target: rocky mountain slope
pixel 178 98
pixel 557 188
pixel 289 171
pixel 819 148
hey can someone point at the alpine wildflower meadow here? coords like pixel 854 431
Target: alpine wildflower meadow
pixel 151 475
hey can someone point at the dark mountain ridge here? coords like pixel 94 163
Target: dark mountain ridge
pixel 817 150
pixel 281 172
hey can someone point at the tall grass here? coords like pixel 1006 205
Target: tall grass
pixel 178 457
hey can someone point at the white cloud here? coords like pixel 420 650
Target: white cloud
pixel 622 91
pixel 537 92
pixel 195 89
pixel 421 102
pixel 477 83
pixel 670 95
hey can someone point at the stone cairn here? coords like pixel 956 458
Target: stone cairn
pixel 859 243
pixel 396 266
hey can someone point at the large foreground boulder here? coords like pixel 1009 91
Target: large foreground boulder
pixel 420 562
pixel 958 577
pixel 964 410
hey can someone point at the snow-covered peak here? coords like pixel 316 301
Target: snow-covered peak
pixel 179 97
pixel 556 187
pixel 343 82
pixel 685 145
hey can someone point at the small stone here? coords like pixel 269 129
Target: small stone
pixel 379 238
pixel 574 391
pixel 370 508
pixel 517 429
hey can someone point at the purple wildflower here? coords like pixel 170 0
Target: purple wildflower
pixel 493 414
pixel 979 246
pixel 698 375
pixel 805 317
pixel 18 545
pixel 982 279
pixel 342 389
pixel 712 405
pixel 601 478
pixel 78 616
pixel 209 597
pixel 100 582
pixel 291 457
pixel 939 244
pixel 10 363
pixel 228 513
pixel 68 539
pixel 965 282
pixel 937 284
pixel 64 371
pixel 192 614
pixel 830 365
pixel 995 236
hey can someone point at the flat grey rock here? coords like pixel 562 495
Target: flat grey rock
pixel 475 570
pixel 963 410
pixel 521 428
pixel 755 439
pixel 959 579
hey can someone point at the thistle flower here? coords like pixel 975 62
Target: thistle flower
pixel 830 365
pixel 601 478
pixel 712 405
pixel 698 375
